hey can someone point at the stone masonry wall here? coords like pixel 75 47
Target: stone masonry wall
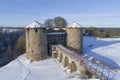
pixel 74 39
pixel 36 44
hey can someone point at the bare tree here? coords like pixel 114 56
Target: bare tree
pixel 60 22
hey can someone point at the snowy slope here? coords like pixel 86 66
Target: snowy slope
pixel 49 69
pixel 104 49
pixel 20 69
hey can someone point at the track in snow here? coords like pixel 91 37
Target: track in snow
pixel 26 72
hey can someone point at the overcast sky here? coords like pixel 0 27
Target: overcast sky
pixel 98 13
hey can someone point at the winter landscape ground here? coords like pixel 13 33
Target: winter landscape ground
pixel 104 49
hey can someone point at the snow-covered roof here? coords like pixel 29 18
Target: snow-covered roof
pixel 74 25
pixel 35 24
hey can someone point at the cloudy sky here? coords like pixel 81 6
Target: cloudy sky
pixel 98 13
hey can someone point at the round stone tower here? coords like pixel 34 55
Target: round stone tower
pixel 74 37
pixel 36 42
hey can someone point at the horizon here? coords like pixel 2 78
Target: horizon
pixel 102 13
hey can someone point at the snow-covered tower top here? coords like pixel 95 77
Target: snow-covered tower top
pixel 74 25
pixel 35 24
pixel 36 41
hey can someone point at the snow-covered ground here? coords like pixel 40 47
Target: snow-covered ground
pixel 104 49
pixel 49 69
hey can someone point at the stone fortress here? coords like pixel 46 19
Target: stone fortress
pixel 65 45
pixel 37 40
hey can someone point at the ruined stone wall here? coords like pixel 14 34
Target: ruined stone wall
pixel 74 39
pixel 36 44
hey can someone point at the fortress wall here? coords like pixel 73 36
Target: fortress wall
pixel 78 67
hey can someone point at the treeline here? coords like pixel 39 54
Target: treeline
pixel 102 32
pixel 57 22
pixel 9 40
pixel 18 48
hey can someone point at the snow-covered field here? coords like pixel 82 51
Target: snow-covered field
pixel 21 69
pixel 104 49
